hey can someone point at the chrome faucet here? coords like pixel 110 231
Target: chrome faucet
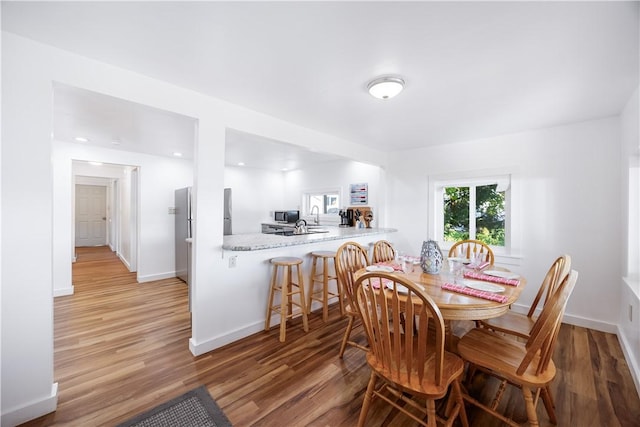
pixel 316 220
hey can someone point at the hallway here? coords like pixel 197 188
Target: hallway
pixel 108 336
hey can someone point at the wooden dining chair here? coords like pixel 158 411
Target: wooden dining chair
pixel 383 251
pixel 350 257
pixel 520 325
pixel 525 365
pixel 464 249
pixel 408 359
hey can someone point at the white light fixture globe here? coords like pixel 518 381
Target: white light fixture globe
pixel 385 87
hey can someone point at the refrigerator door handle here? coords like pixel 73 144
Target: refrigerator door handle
pixel 189 203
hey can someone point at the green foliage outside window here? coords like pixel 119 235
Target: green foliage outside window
pixel 489 214
pixel 456 213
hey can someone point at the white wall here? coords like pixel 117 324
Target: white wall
pixel 339 174
pixel 568 180
pixel 159 177
pixel 631 187
pixel 254 194
pixel 629 323
pixel 126 236
pixel 27 292
pixel 29 70
pixel 257 193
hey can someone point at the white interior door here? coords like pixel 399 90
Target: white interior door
pixel 91 215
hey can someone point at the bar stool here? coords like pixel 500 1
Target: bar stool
pixel 287 288
pixel 323 295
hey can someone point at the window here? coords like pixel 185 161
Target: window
pixel 326 202
pixel 474 212
pixel 472 207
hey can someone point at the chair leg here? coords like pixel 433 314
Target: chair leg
pixel 547 399
pixel 284 302
pixel 325 290
pixel 274 276
pixel 339 289
pixel 347 333
pixel 303 307
pixel 531 409
pixel 431 413
pixel 471 372
pixel 457 390
pixel 368 395
pixel 498 395
pixel 311 283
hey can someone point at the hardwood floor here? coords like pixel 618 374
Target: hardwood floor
pixel 122 348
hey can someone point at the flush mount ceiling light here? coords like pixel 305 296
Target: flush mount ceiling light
pixel 385 87
pixel 81 139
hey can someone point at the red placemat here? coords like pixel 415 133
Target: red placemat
pixel 488 278
pixel 392 264
pixel 474 292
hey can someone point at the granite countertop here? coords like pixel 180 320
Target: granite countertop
pixel 258 241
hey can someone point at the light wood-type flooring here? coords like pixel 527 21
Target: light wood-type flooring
pixel 122 348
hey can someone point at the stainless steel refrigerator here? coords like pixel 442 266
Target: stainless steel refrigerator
pixel 183 235
pixel 227 211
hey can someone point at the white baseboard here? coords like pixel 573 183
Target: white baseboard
pixel 597 325
pixel 571 319
pixel 32 410
pixel 629 357
pixel 221 340
pixel 152 277
pixel 60 292
pixel 124 261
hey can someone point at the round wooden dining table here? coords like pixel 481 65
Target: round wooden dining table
pixel 457 306
pixel 454 305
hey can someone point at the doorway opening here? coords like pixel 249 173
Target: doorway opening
pixel 105 209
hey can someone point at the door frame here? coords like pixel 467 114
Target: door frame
pixel 110 178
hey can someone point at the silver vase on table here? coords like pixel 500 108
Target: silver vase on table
pixel 431 257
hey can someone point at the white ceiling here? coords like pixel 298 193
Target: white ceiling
pixel 473 69
pixel 115 123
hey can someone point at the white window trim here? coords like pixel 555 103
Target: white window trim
pixel 507 178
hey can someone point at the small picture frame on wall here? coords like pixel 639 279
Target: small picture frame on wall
pixel 359 194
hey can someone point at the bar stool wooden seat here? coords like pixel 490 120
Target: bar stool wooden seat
pixel 288 288
pixel 323 277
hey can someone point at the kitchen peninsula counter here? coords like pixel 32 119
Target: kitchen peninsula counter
pixel 260 241
pixel 244 270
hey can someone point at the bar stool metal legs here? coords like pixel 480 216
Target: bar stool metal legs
pixel 288 288
pixel 323 277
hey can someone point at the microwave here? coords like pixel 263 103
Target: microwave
pixel 286 216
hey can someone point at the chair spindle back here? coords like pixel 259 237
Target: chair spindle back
pixel 396 323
